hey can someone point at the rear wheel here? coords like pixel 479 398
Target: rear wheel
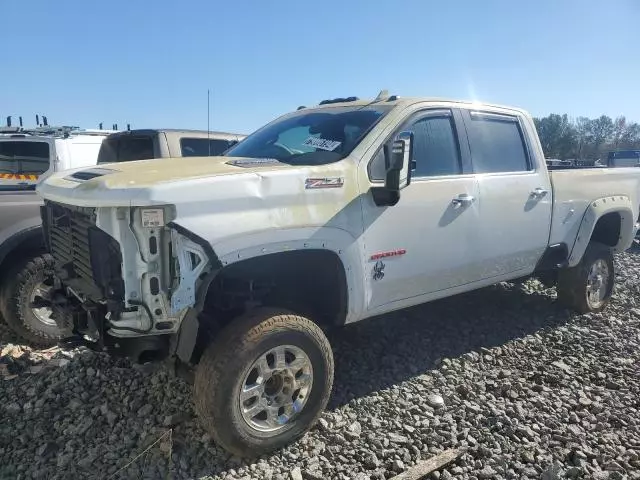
pixel 28 281
pixel 588 286
pixel 264 381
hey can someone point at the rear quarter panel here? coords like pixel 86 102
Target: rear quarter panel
pixel 575 190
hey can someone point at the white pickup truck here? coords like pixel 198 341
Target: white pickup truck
pixel 325 216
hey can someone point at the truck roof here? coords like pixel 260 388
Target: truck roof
pixel 395 100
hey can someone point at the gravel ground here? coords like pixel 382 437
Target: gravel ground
pixel 527 388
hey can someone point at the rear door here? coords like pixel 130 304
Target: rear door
pixel 515 194
pixel 23 160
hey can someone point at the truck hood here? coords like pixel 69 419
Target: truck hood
pixel 146 182
pixel 193 181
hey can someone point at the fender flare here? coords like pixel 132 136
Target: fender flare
pixel 598 208
pixel 17 239
pixel 338 241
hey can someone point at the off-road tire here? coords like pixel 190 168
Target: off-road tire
pixel 572 282
pixel 221 370
pixel 18 285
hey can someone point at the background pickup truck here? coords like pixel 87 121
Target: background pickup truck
pixel 325 216
pixel 28 154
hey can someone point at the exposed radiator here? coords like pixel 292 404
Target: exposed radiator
pixel 87 259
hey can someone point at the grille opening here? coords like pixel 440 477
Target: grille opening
pixel 87 258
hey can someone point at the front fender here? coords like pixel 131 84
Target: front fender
pixel 620 204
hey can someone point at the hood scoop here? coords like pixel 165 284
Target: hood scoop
pixel 92 173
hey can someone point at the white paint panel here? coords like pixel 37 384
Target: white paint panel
pixel 439 240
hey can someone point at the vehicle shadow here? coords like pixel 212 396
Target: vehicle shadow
pixel 382 352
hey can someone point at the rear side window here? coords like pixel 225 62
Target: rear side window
pixel 203 147
pixel 497 144
pixel 126 149
pixel 24 158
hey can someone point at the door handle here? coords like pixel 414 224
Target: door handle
pixel 463 199
pixel 539 192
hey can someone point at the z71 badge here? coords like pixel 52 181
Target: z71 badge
pixel 334 182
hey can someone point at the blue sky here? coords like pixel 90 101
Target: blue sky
pixel 82 62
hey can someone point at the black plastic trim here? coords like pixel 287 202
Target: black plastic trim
pixel 555 256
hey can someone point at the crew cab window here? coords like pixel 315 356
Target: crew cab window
pixel 202 147
pixel 19 157
pixel 497 144
pixel 435 149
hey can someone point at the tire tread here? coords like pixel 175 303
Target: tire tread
pixel 12 312
pixel 242 334
pixel 570 281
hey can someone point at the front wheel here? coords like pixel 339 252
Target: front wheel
pixel 264 381
pixel 29 281
pixel 588 286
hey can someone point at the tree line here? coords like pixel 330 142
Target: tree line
pixel 585 138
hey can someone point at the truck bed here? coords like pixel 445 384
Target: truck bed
pixel 574 189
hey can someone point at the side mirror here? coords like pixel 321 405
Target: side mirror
pixel 398 158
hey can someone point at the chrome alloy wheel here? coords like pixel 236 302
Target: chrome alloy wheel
pixel 276 388
pixel 598 284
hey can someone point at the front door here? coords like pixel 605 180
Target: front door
pixel 424 243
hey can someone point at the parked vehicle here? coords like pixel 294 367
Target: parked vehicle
pixel 155 143
pixel 30 155
pixel 624 158
pixel 323 217
pixel 556 162
pixel 27 156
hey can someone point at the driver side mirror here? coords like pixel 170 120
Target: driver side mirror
pixel 398 157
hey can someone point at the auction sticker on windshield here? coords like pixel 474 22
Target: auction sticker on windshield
pixel 321 143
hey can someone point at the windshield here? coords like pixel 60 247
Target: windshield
pixel 314 138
